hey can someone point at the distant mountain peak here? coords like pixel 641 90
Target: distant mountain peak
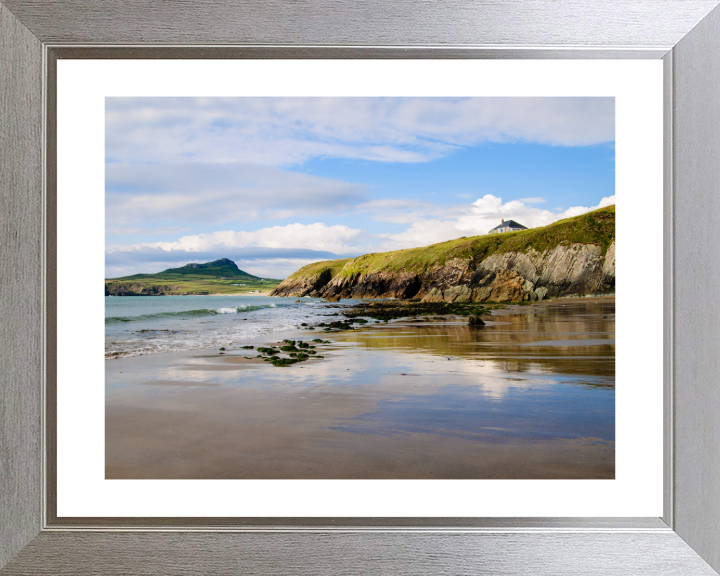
pixel 222 268
pixel 214 264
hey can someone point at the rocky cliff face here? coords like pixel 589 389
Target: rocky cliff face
pixel 572 269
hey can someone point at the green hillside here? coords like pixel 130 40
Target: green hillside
pixel 218 268
pixel 217 277
pixel 596 227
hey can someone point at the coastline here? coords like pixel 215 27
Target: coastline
pixel 267 293
pixel 405 399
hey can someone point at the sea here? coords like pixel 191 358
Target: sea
pixel 136 325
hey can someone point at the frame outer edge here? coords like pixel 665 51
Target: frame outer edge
pixel 21 353
pixel 696 110
pixel 369 22
pixel 400 554
pixel 21 279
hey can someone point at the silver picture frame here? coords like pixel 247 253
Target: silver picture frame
pixel 685 34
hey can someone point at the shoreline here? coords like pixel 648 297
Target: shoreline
pixel 300 332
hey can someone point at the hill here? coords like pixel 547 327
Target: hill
pixel 572 256
pixel 218 268
pixel 217 277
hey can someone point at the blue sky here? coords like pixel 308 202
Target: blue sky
pixel 276 183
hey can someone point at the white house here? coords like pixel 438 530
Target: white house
pixel 509 226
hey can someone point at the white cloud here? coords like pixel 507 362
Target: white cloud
pixel 290 131
pixel 139 194
pixel 337 239
pixel 479 218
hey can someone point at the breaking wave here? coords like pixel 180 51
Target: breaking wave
pixel 188 313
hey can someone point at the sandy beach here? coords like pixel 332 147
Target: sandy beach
pixel 529 395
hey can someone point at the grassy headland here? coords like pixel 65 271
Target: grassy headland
pixel 596 227
pixel 217 277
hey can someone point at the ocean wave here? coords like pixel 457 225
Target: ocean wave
pixel 188 313
pixel 230 310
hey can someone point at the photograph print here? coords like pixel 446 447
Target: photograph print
pixel 360 288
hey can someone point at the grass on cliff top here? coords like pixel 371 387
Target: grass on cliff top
pixel 312 271
pixel 596 227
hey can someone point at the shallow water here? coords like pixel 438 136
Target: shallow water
pixel 544 371
pixel 136 325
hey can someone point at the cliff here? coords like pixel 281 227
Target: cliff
pixel 137 289
pixel 575 256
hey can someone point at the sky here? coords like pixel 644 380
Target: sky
pixel 277 183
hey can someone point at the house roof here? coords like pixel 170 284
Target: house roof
pixel 511 224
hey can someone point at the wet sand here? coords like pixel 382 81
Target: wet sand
pixel 529 395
